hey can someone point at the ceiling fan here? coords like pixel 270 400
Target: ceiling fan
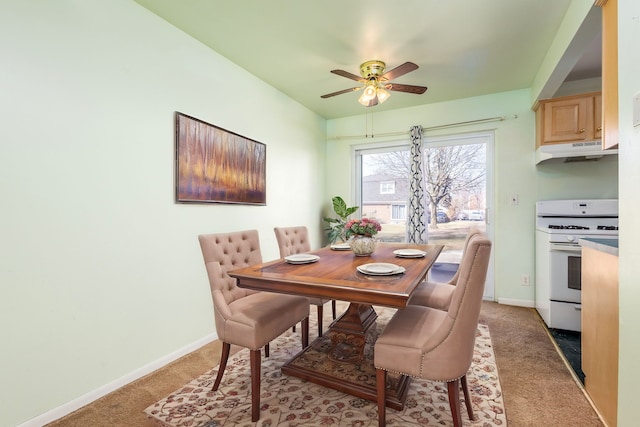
pixel 375 82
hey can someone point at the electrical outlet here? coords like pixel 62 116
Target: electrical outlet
pixel 514 199
pixel 524 281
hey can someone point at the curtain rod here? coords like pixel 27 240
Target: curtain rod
pixel 469 122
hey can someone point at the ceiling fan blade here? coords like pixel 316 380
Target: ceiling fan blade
pixel 340 92
pixel 418 90
pixel 400 70
pixel 347 75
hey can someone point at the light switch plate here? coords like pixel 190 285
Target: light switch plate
pixel 636 109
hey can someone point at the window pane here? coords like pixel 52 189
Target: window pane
pixel 387 187
pixel 455 187
pixel 398 212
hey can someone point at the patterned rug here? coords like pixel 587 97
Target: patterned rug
pixel 289 401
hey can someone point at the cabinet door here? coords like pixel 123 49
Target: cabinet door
pixel 610 72
pixel 597 117
pixel 566 120
pixel 600 330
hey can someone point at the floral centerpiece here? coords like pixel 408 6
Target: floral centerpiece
pixel 362 227
pixel 361 232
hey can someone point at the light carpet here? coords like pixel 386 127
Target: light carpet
pixel 290 401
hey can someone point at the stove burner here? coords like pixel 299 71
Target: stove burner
pixel 607 227
pixel 568 227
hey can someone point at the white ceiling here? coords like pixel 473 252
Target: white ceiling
pixel 463 47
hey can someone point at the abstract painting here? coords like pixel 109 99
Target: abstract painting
pixel 214 165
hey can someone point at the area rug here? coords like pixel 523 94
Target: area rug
pixel 290 402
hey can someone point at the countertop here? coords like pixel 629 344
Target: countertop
pixel 609 246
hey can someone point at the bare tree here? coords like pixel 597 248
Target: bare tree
pixel 450 172
pixel 393 163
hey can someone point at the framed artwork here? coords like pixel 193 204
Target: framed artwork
pixel 214 165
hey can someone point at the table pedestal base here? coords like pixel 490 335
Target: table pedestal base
pixel 348 333
pixel 342 359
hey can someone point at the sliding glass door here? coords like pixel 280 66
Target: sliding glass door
pixel 456 187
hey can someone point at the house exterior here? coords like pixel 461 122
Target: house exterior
pixel 385 198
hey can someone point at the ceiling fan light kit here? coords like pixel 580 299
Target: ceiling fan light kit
pixel 374 82
pixel 368 94
pixel 383 95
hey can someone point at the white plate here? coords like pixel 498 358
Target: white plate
pixel 341 247
pixel 409 253
pixel 301 258
pixel 380 269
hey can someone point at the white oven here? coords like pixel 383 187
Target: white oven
pixel 559 225
pixel 565 272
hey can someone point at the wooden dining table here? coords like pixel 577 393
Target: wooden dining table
pixel 335 275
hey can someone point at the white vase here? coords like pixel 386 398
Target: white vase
pixel 362 245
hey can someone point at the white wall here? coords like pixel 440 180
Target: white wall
pixel 515 172
pixel 629 85
pixel 100 271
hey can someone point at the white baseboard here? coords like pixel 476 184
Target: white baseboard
pixel 96 394
pixel 517 302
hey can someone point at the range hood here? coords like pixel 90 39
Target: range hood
pixel 572 152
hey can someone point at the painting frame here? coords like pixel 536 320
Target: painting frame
pixel 215 165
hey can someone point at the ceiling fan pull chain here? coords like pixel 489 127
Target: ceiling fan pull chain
pixel 366 125
pixel 371 125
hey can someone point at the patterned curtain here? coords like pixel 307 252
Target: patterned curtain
pixel 416 214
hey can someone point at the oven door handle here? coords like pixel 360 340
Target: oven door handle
pixel 565 247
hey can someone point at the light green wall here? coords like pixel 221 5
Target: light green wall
pixel 514 170
pixel 101 272
pixel 629 85
pixel 573 19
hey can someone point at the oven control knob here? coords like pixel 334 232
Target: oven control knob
pixel 571 238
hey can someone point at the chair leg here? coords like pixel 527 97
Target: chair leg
pixel 381 391
pixel 320 314
pixel 467 399
pixel 266 350
pixel 226 348
pixel 255 384
pixel 453 388
pixel 305 332
pixel 333 308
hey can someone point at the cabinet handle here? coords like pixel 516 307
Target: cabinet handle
pixel 599 128
pixel 582 131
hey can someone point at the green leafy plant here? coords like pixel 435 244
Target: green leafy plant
pixel 336 230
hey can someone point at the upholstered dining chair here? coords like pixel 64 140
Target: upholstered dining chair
pixel 295 240
pixel 247 318
pixel 438 295
pixel 433 344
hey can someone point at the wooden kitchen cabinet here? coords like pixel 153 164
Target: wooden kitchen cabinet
pixel 599 338
pixel 569 119
pixel 609 72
